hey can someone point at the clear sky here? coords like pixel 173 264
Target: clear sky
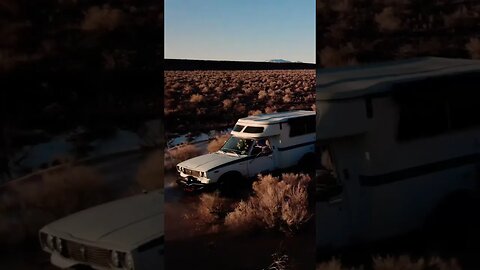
pixel 245 30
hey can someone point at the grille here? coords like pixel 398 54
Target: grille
pixel 192 172
pixel 88 254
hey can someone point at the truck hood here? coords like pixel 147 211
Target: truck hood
pixel 208 161
pixel 122 224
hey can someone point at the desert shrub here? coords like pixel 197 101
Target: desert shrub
pixel 217 143
pixel 227 104
pixel 295 210
pixel 244 217
pixel 179 154
pixel 473 47
pixel 270 110
pixel 150 172
pixel 262 94
pixel 255 112
pixel 387 20
pixel 196 98
pixel 209 212
pixel 102 18
pixel 280 204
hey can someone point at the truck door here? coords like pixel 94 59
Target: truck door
pixel 262 158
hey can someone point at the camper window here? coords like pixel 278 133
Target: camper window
pixel 436 105
pixel 238 128
pixel 253 129
pixel 302 125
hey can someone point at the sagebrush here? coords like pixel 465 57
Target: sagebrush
pixel 276 204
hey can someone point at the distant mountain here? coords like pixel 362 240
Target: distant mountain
pixel 279 61
pixel 185 64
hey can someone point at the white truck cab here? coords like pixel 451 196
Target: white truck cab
pixel 259 144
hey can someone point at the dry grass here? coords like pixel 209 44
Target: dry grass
pixel 217 143
pixel 151 173
pixel 209 212
pixel 29 206
pixel 276 204
pixel 396 263
pixel 179 154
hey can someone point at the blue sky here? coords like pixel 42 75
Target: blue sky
pixel 248 30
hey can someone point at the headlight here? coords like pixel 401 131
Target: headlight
pixel 115 257
pixel 59 244
pixel 203 174
pixel 50 242
pixel 129 265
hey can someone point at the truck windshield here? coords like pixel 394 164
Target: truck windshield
pixel 237 145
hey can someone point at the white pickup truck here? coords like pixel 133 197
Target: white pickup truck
pixel 123 234
pixel 259 144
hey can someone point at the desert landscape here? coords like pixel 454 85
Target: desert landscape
pixel 201 107
pixel 205 100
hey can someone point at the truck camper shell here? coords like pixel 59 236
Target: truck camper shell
pixel 403 136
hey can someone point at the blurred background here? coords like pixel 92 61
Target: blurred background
pixel 80 111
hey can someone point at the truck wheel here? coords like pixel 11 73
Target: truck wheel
pixel 229 183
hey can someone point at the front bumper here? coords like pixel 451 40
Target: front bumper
pixel 191 184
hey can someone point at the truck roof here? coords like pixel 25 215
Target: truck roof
pixel 273 118
pixel 363 80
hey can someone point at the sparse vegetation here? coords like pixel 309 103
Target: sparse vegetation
pixel 276 204
pixel 151 173
pixel 179 154
pixel 205 100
